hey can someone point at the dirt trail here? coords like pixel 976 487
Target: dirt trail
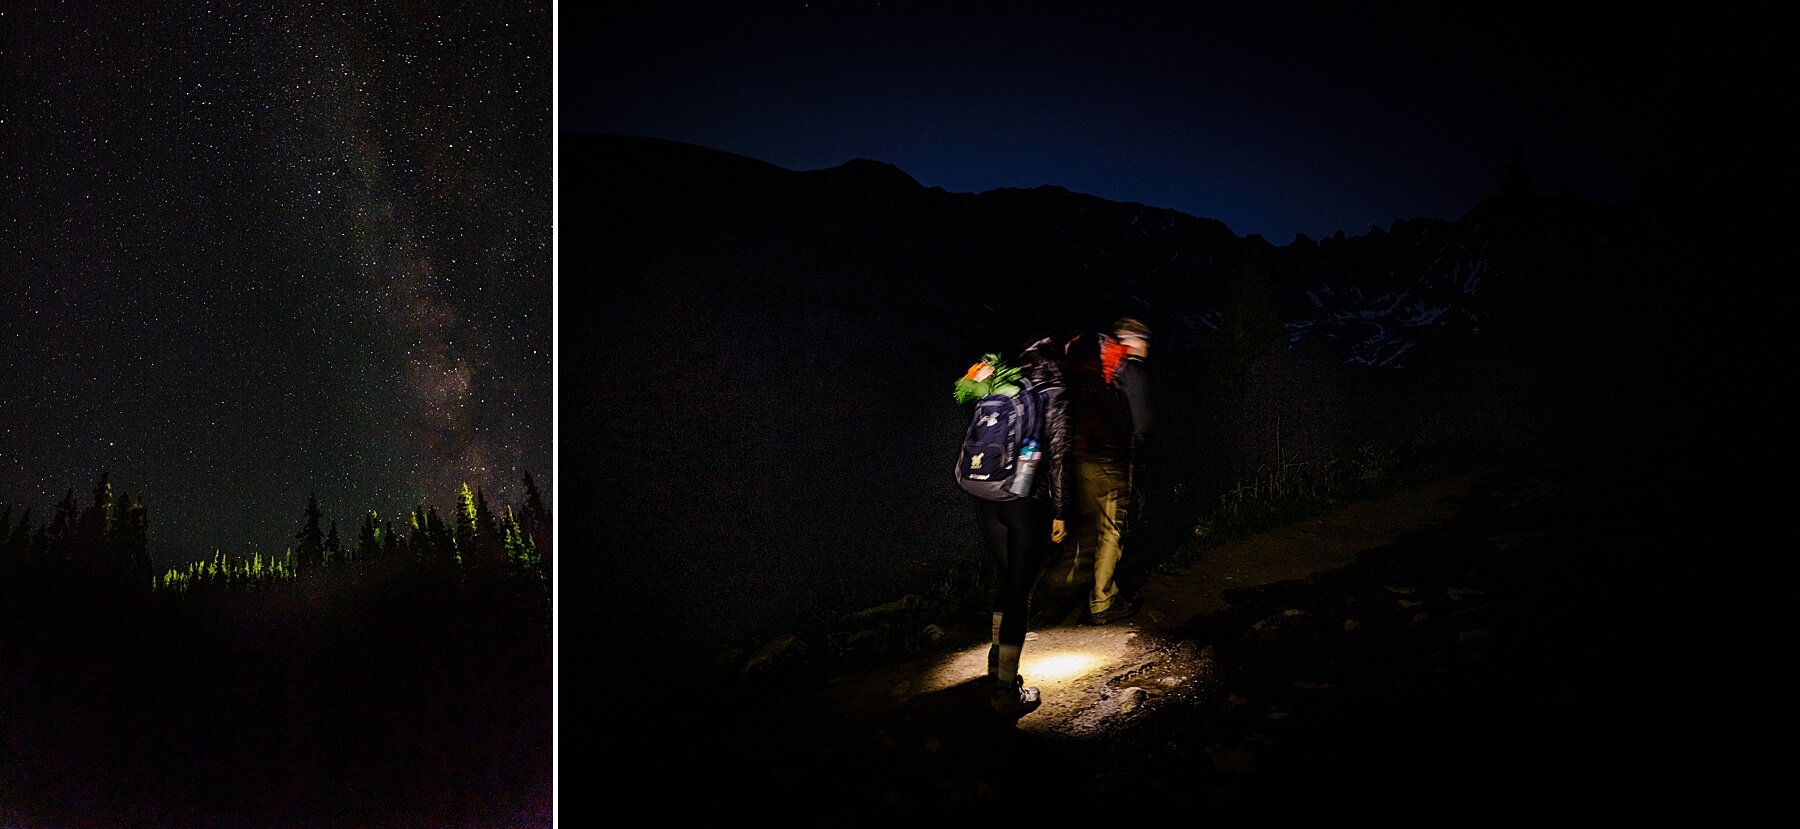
pixel 1461 640
pixel 1192 693
pixel 1074 665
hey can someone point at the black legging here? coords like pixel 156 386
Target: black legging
pixel 1018 532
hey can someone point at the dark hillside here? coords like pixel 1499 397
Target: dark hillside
pixel 757 362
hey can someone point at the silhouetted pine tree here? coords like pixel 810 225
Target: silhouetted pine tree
pixel 89 548
pixel 6 537
pixel 441 545
pixel 62 525
pixel 368 539
pixel 130 539
pixel 18 543
pixel 485 522
pixel 91 528
pixel 335 560
pixel 420 542
pixel 310 554
pixel 53 547
pixel 431 548
pixel 11 556
pixel 392 547
pixel 534 500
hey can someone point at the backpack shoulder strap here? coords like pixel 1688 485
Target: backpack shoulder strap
pixel 1033 402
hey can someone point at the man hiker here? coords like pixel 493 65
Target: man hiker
pixel 1109 410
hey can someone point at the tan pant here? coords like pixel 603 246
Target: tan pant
pixel 1103 495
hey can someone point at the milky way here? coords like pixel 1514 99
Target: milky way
pixel 258 252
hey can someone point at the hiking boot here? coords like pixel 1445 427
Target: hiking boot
pixel 1017 701
pixel 1122 609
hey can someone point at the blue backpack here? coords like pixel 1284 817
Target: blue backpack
pixel 989 460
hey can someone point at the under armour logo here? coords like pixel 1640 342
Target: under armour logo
pixel 990 419
pixel 975 461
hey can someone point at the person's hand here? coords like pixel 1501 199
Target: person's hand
pixel 1056 531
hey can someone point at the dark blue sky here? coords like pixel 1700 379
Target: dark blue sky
pixel 1275 118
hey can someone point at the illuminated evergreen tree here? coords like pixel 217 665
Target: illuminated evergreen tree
pixel 536 520
pixel 483 555
pixel 524 565
pixel 465 521
pixel 515 541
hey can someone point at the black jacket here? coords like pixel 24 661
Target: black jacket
pixel 1108 419
pixel 1051 483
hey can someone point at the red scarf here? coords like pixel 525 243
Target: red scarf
pixel 1112 353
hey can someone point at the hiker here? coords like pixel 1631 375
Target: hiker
pixel 1019 531
pixel 1109 411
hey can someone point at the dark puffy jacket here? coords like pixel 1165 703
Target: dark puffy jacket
pixel 1051 483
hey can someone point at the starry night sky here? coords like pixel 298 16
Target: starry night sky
pixel 260 251
pixel 1277 118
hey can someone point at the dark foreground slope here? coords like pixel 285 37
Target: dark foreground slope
pixel 402 700
pixel 1488 645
